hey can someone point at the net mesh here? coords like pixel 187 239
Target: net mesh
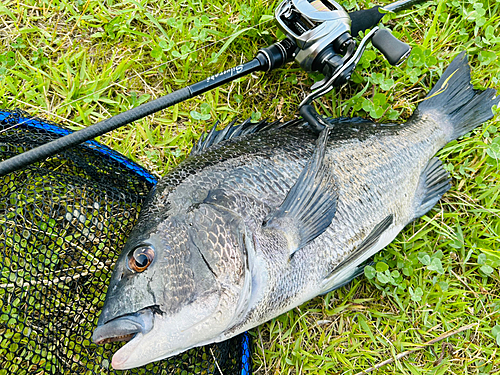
pixel 62 225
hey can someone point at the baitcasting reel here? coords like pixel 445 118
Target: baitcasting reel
pixel 321 30
pixel 319 37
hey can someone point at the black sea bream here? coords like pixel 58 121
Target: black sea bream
pixel 263 217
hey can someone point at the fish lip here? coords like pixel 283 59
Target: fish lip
pixel 125 327
pixel 121 357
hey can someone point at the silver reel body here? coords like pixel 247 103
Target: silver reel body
pixel 313 25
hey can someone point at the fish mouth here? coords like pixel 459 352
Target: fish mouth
pixel 114 339
pixel 124 328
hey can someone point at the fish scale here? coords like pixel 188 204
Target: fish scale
pixel 262 222
pixel 179 279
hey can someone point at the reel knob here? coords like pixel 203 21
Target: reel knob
pixel 394 50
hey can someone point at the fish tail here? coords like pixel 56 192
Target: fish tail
pixel 454 102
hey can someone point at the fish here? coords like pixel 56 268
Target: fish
pixel 263 217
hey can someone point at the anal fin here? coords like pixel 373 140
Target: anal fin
pixel 310 205
pixel 434 182
pixel 353 264
pixel 358 271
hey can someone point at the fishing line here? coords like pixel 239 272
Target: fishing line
pixel 138 75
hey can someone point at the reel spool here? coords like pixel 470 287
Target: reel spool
pixel 319 28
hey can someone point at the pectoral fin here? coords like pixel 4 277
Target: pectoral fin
pixel 310 205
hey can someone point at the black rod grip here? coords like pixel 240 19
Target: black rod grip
pixel 365 19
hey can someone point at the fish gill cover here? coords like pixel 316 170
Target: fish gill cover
pixel 62 225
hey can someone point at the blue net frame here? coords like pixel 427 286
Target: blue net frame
pixel 62 224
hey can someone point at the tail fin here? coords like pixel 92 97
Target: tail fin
pixel 454 100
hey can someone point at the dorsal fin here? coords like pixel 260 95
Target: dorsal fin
pixel 213 137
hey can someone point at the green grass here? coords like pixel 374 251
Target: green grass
pixel 83 61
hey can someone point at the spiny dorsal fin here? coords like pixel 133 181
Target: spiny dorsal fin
pixel 232 131
pixel 310 205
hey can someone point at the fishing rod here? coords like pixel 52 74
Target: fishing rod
pixel 319 37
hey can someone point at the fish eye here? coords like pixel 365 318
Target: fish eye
pixel 140 258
